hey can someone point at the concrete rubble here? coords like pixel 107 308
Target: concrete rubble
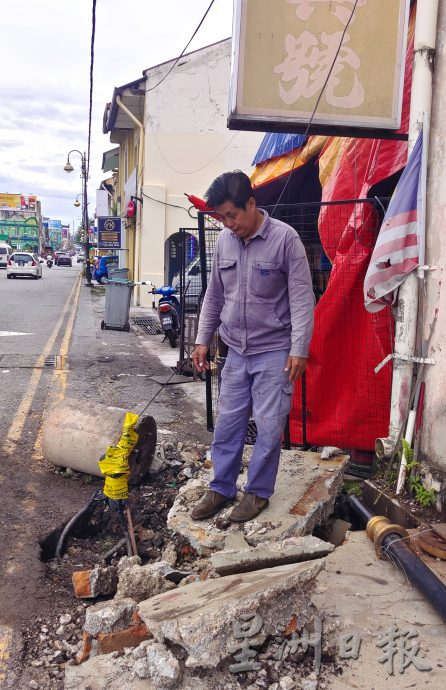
pixel 200 617
pixel 148 667
pixel 143 582
pixel 170 627
pixel 156 662
pixel 295 513
pixel 269 554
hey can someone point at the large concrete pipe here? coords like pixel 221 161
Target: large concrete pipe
pixel 77 434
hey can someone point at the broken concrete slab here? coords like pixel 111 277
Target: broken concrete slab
pixel 269 554
pixel 360 594
pixel 200 616
pixel 163 668
pixel 306 490
pixel 109 616
pixel 144 581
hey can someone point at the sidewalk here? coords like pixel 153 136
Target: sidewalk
pixel 115 368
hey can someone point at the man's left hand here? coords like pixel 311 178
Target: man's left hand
pixel 296 367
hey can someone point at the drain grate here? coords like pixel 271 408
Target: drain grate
pixel 148 324
pixel 54 361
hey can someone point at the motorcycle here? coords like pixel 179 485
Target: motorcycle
pixel 169 312
pixel 49 262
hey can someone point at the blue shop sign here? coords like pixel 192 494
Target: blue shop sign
pixel 109 232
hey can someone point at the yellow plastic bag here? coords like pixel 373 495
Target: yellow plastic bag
pixel 115 465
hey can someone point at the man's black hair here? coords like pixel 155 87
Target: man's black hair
pixel 230 186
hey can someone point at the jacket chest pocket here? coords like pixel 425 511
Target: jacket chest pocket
pixel 266 278
pixel 228 274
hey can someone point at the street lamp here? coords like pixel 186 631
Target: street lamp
pixel 69 168
pixel 76 202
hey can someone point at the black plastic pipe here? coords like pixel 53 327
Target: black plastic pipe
pixel 417 572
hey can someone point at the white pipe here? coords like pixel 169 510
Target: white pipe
pixel 408 437
pixel 406 317
pixel 137 276
pixel 421 200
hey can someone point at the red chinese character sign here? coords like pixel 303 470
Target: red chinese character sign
pixel 342 59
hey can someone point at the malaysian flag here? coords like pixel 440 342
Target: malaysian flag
pixel 396 252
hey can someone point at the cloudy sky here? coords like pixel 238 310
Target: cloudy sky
pixel 45 82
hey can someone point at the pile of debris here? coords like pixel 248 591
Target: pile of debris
pixel 188 610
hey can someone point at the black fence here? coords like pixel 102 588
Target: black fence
pixel 324 228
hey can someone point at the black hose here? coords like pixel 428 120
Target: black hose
pixel 70 524
pixel 360 508
pixel 413 567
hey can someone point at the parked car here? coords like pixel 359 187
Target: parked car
pixel 192 282
pixel 104 264
pixel 5 253
pixel 63 260
pixel 23 264
pixel 80 257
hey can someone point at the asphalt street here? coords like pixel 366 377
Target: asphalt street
pixel 30 310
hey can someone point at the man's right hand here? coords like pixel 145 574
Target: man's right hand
pixel 199 358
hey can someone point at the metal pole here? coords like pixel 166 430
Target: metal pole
pixel 305 445
pixel 85 221
pixel 204 284
pixel 287 435
pixel 406 317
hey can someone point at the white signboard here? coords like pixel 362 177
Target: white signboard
pixel 340 61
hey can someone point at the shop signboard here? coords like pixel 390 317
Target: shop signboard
pixel 338 63
pixel 109 232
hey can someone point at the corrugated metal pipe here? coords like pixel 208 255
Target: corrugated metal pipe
pixel 389 539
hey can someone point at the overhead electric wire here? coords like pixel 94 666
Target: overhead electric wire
pixel 184 49
pixel 166 203
pixel 317 103
pixel 190 172
pixel 90 112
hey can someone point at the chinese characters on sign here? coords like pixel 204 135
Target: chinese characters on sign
pixel 310 57
pixel 344 10
pixel 318 59
pixel 308 63
pixel 393 643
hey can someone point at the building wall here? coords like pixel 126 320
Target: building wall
pixel 433 438
pixel 187 144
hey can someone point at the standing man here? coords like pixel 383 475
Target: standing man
pixel 260 296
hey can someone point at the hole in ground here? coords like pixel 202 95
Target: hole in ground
pixel 89 523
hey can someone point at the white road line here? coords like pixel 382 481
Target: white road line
pixel 9 333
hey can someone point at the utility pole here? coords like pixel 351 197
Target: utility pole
pixel 85 222
pixel 407 307
pixel 433 436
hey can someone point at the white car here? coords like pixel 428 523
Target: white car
pixel 5 253
pixel 80 257
pixel 23 264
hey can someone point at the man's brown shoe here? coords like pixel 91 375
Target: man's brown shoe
pixel 210 505
pixel 248 508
